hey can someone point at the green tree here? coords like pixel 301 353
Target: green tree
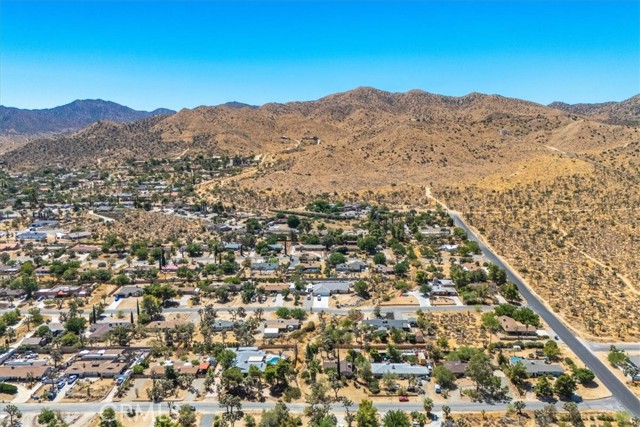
pixel 401 268
pixel 279 416
pixel 367 244
pixel 336 258
pixel 490 323
pixel 565 386
pixel 108 418
pixel 551 350
pixel 617 357
pixel 150 307
pixel 583 375
pixel 163 421
pixel 293 221
pixel 517 373
pixel 444 377
pixel 76 325
pixel 510 292
pixel 396 419
pixel 46 416
pixel 379 258
pixel 479 371
pixel 226 358
pixel 367 415
pixel 427 405
pixel 186 416
pixel 543 389
pixel 361 288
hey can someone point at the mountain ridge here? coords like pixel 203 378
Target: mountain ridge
pixel 68 117
pixel 350 140
pixel 626 112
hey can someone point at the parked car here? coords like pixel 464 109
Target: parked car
pixel 437 388
pixel 72 379
pixel 319 298
pixel 61 385
pixel 403 399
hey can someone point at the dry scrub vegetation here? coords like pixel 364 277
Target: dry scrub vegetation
pixel 152 227
pixel 575 239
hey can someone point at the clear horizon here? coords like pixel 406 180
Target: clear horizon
pixel 148 55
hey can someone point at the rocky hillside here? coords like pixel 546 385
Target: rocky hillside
pixel 69 117
pixel 363 139
pixel 626 112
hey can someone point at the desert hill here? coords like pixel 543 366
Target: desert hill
pixel 69 117
pixel 556 192
pixel 626 112
pixel 364 139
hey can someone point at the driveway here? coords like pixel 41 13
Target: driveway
pixel 114 305
pixel 279 300
pixel 25 393
pixel 422 300
pixel 323 303
pixel 207 420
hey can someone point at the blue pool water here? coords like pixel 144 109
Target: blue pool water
pixel 273 360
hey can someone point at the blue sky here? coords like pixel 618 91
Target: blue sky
pixel 149 54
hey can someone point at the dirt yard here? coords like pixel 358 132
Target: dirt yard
pixel 89 391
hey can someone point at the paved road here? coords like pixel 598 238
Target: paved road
pixel 214 407
pixel 598 346
pixel 619 390
pixel 271 308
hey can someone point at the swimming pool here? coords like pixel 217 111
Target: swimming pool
pixel 272 360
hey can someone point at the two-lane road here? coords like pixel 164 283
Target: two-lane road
pixel 617 388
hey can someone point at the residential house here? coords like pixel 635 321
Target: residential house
pixel 24 373
pixel 99 331
pixel 265 267
pixel 129 291
pixel 252 356
pixel 96 368
pixel 44 224
pixel 352 266
pixel 388 324
pixel 223 325
pixel 403 370
pixel 77 235
pixel 514 328
pixel 457 368
pixel 537 368
pixel 84 249
pixel 326 289
pixel 31 235
pixel 346 368
pixel 271 333
pixel 283 325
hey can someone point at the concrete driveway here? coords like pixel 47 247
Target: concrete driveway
pixel 322 303
pixel 279 301
pixel 422 300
